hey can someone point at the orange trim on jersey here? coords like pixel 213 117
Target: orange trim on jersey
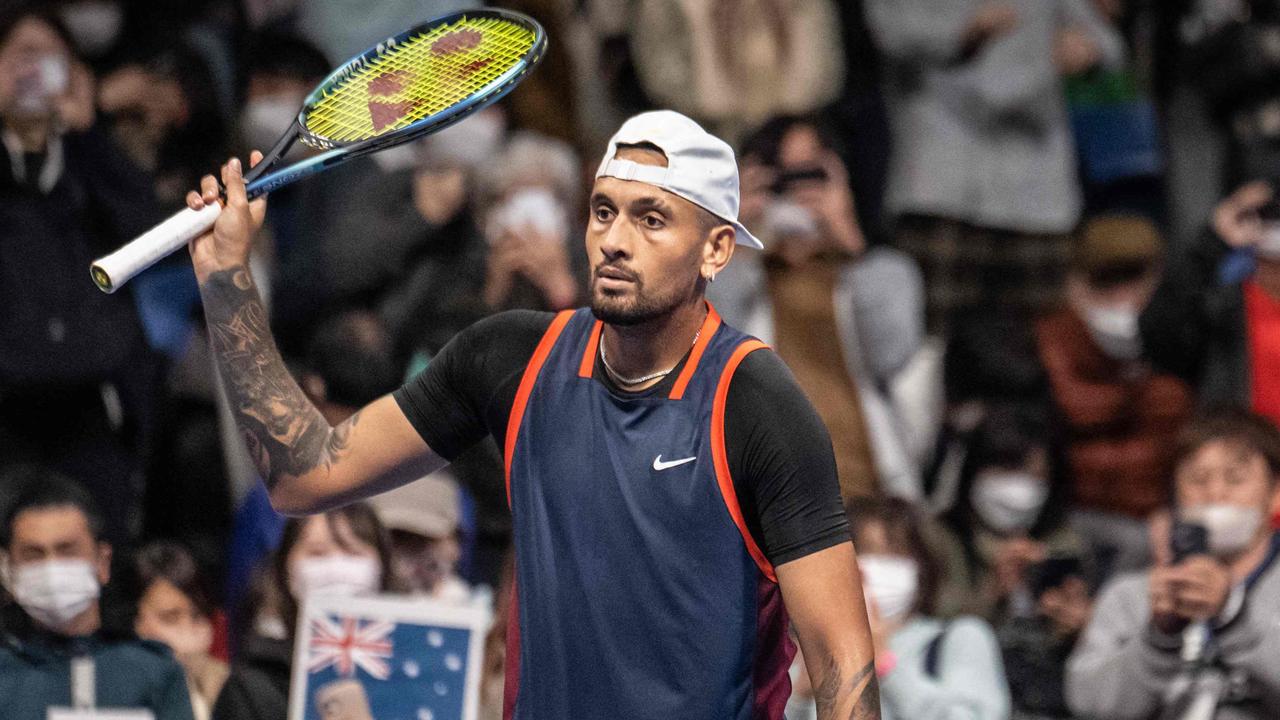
pixel 709 327
pixel 526 387
pixel 588 366
pixel 721 458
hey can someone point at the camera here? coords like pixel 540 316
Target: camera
pixel 788 179
pixel 1187 539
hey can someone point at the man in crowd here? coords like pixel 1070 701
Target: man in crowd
pixel 1121 417
pixel 56 652
pixel 1197 636
pixel 422 519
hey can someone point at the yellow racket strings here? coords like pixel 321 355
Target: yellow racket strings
pixel 419 77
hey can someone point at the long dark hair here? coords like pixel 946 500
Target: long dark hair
pixel 1007 437
pixel 271 584
pixel 901 522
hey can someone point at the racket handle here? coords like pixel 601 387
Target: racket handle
pixel 114 270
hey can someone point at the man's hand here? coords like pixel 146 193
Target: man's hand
pixel 541 259
pixel 228 244
pixel 1236 220
pixel 831 202
pixel 1193 590
pixel 75 107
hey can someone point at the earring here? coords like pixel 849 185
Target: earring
pixel 712 277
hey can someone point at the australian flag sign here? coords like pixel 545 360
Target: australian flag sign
pixel 386 658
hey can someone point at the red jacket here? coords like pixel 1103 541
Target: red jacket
pixel 1121 419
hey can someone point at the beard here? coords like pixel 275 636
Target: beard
pixel 633 308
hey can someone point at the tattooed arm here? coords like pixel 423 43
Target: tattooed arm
pixel 308 465
pixel 823 595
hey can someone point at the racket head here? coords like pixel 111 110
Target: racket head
pixel 421 80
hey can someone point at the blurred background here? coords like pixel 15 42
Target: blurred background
pixel 1012 248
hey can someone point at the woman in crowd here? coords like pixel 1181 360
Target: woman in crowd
pixel 930 669
pixel 343 551
pixel 1008 518
pixel 174 608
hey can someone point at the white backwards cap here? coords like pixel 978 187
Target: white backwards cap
pixel 700 166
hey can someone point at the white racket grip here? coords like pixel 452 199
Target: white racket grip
pixel 114 270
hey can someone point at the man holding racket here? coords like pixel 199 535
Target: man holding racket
pixel 672 490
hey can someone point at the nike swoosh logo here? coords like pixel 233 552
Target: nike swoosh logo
pixel 659 465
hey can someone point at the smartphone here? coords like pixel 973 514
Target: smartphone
pixel 1187 539
pixel 786 180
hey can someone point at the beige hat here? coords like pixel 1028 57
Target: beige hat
pixel 1109 241
pixel 427 507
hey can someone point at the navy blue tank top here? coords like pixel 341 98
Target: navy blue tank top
pixel 639 591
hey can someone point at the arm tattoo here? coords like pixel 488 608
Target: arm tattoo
pixel 284 432
pixel 862 687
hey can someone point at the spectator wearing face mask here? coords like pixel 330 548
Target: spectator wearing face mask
pixel 174 608
pixel 930 669
pixel 532 193
pixel 849 321
pixel 55 650
pixel 1215 319
pixel 422 519
pixel 1197 636
pixel 342 552
pixel 1009 515
pixel 75 375
pixel 1120 417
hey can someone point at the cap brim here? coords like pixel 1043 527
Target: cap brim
pixel 744 237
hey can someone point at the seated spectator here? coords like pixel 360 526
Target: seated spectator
pixel 1215 319
pixel 1197 637
pixel 174 608
pixel 990 360
pixel 1036 647
pixel 1120 417
pixel 530 198
pixel 929 668
pixel 422 519
pixel 1009 516
pixel 344 552
pixel 56 566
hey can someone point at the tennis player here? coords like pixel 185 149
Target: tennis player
pixel 673 494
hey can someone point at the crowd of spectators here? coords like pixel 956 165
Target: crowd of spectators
pixel 1022 255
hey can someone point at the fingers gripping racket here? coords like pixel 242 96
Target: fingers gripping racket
pixel 405 87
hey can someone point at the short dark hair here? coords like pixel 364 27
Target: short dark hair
pixel 902 526
pixel 168 561
pixel 38 488
pixel 1230 424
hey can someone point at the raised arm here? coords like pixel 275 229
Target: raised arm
pixel 823 595
pixel 308 465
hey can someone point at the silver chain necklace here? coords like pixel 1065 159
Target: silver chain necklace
pixel 629 381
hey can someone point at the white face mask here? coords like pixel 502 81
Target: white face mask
pixel 335 575
pixel 265 119
pixel 1008 501
pixel 1115 329
pixel 892 582
pixel 55 592
pixel 1231 528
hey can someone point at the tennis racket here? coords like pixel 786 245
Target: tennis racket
pixel 405 87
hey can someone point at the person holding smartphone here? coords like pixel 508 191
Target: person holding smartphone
pixel 1197 636
pixel 1215 318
